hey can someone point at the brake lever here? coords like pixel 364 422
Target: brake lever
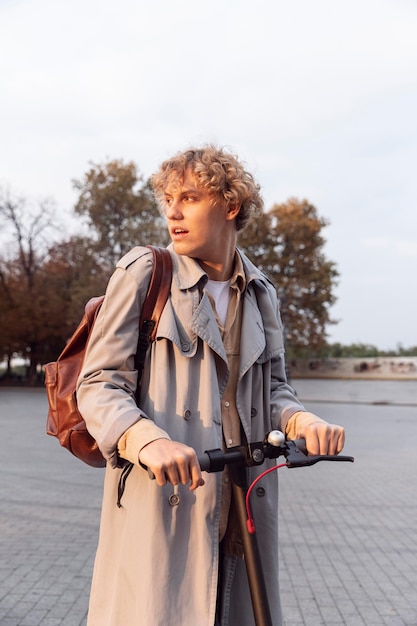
pixel 294 457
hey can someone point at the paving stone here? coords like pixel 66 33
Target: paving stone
pixel 348 545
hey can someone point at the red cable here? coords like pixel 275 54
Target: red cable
pixel 249 522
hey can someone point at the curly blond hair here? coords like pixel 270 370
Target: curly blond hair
pixel 218 171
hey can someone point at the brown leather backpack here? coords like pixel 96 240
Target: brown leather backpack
pixel 64 421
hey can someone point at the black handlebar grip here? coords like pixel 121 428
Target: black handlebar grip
pixel 301 445
pixel 204 461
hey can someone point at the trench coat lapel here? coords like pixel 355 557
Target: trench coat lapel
pixel 199 318
pixel 205 326
pixel 253 342
pixel 202 324
pixel 193 316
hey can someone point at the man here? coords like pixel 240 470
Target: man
pixel 215 377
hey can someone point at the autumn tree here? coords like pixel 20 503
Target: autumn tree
pixel 72 275
pixel 120 209
pixel 8 340
pixel 287 244
pixel 24 305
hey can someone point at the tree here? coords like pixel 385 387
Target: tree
pixel 120 209
pixel 8 343
pixel 24 306
pixel 72 275
pixel 287 244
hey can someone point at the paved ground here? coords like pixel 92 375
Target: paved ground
pixel 348 531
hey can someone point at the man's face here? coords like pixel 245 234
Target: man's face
pixel 197 222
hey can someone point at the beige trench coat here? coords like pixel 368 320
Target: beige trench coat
pixel 157 558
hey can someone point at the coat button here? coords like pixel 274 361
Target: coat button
pixel 185 347
pixel 174 499
pixel 253 412
pixel 187 414
pixel 260 491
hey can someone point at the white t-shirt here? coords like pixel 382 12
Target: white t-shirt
pixel 220 291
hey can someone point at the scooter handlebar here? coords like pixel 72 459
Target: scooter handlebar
pixel 251 454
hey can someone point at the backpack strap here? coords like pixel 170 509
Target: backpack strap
pixel 158 292
pixel 159 288
pixel 156 298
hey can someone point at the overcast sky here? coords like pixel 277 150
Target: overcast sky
pixel 319 98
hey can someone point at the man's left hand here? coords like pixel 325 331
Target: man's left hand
pixel 320 436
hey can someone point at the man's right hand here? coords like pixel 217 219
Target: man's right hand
pixel 172 462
